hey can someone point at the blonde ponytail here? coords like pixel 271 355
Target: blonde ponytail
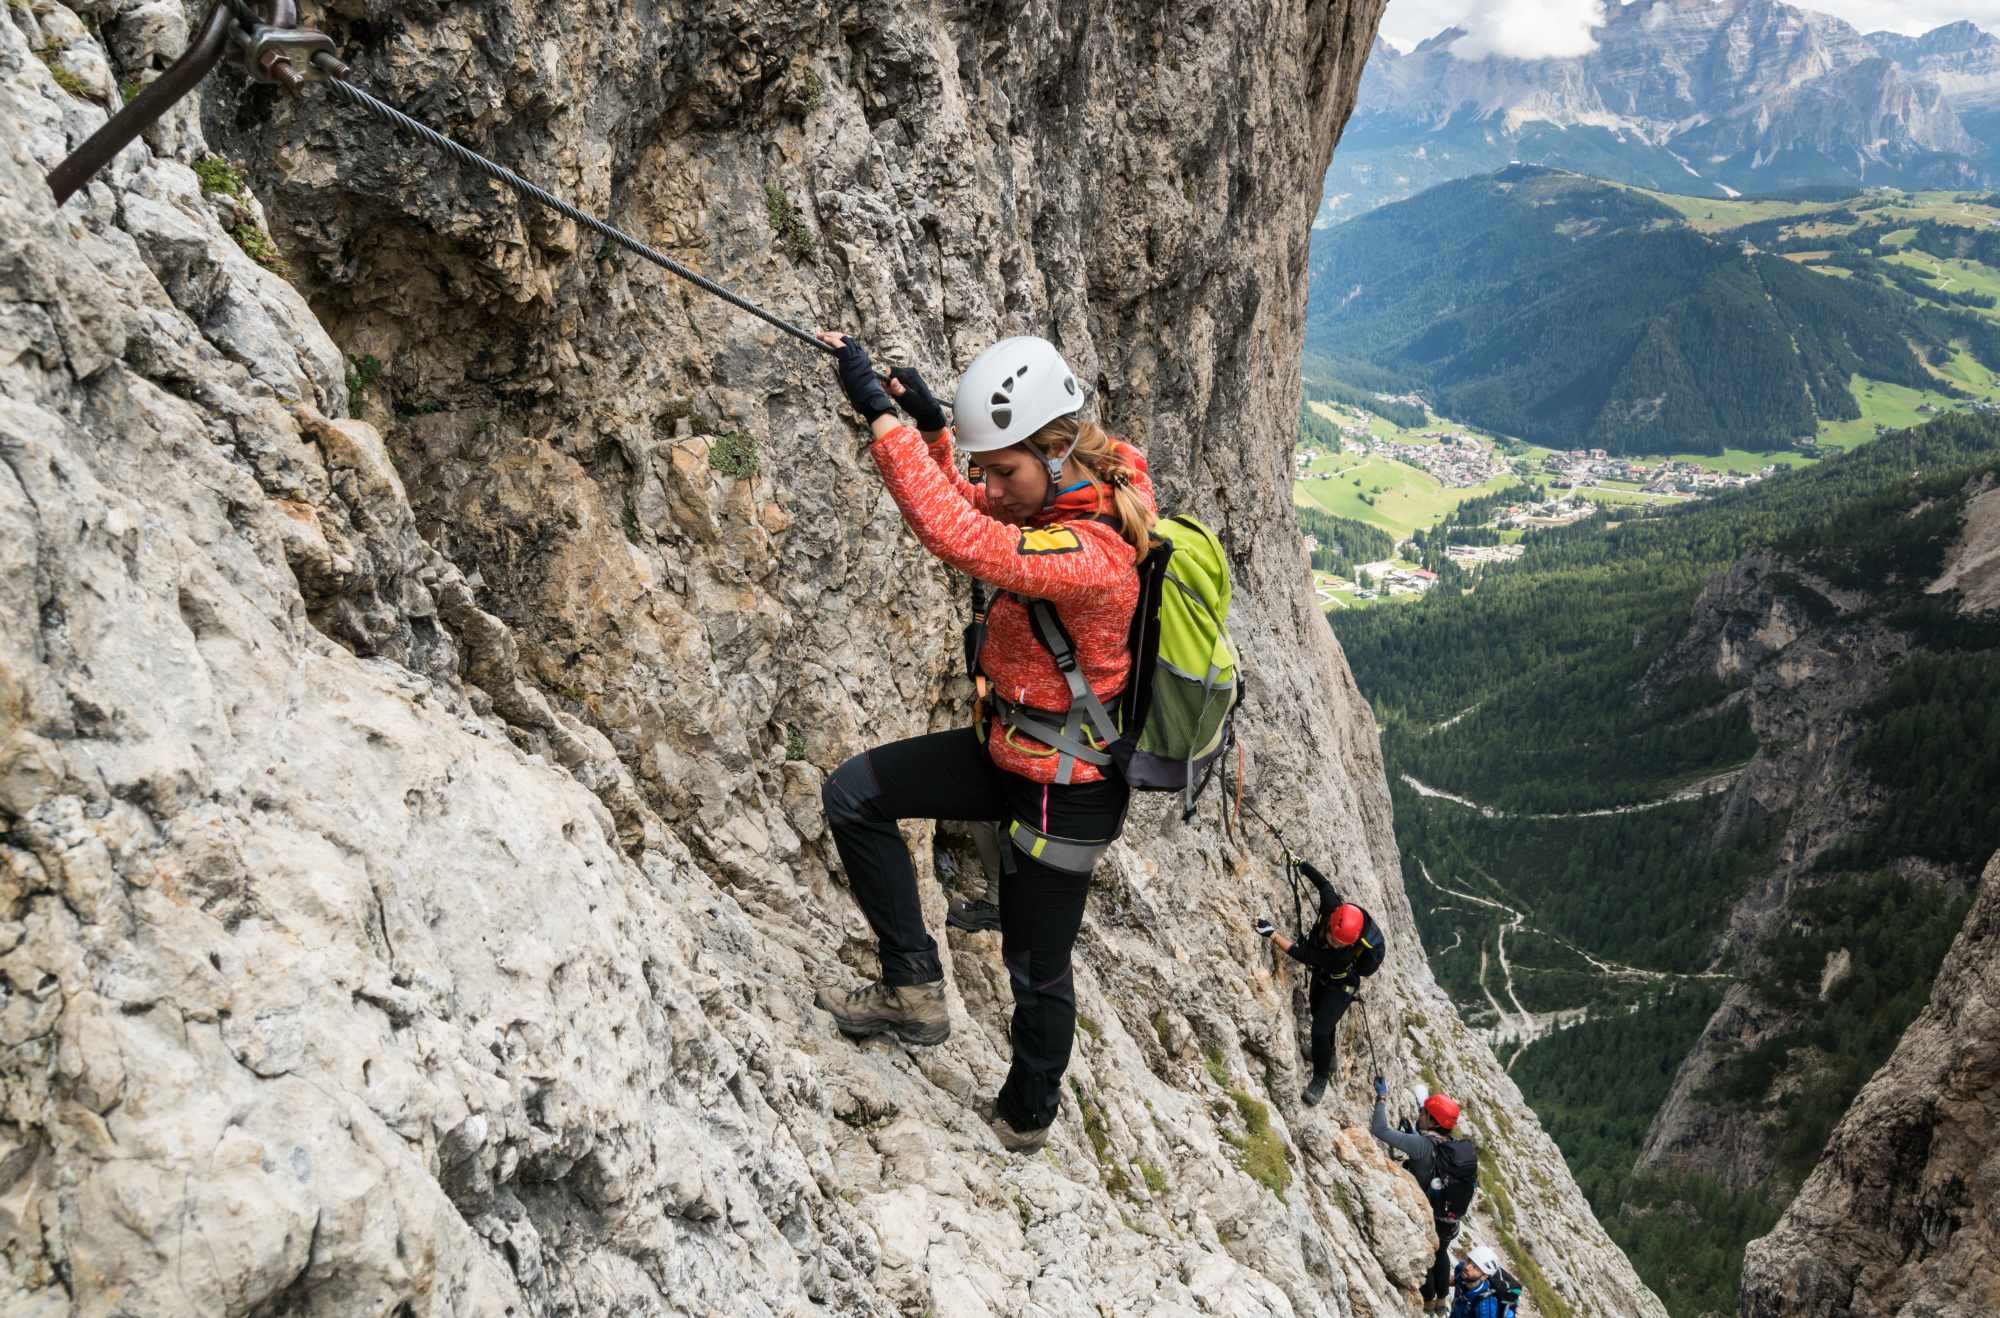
pixel 1098 453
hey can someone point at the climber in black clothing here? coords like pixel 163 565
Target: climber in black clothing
pixel 1343 947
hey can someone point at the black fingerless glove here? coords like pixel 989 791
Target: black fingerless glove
pixel 918 400
pixel 858 379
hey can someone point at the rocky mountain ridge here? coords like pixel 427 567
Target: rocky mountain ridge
pixel 1693 96
pixel 414 881
pixel 1898 1217
pixel 1809 656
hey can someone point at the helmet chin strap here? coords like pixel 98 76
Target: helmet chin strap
pixel 1055 466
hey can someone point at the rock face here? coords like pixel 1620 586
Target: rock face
pixel 1760 625
pixel 1694 96
pixel 1900 1215
pixel 1960 58
pixel 1807 657
pixel 413 885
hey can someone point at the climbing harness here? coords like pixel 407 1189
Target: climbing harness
pixel 274 50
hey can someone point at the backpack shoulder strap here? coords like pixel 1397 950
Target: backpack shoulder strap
pixel 1087 714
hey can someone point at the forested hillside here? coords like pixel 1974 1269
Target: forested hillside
pixel 1690 760
pixel 1577 313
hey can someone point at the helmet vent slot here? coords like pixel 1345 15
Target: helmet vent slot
pixel 1003 416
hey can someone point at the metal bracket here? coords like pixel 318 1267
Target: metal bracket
pixel 286 56
pixel 271 47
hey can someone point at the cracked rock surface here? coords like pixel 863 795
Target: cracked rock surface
pixel 1898 1217
pixel 417 671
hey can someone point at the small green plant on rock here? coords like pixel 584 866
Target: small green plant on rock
pixel 1262 1151
pixel 795 745
pixel 69 82
pixel 734 454
pixel 1156 1180
pixel 362 372
pixel 788 224
pixel 257 245
pixel 812 91
pixel 66 80
pixel 219 176
pixel 1217 1072
pixel 1099 1135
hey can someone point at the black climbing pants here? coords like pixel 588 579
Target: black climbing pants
pixel 947 775
pixel 1437 1282
pixel 1330 999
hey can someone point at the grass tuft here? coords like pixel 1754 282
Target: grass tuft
pixel 1099 1135
pixel 1262 1151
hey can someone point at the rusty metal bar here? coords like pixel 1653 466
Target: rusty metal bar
pixel 210 44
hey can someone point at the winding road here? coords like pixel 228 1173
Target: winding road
pixel 1521 1027
pixel 1720 782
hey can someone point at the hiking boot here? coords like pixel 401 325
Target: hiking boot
pixel 975 917
pixel 914 1013
pixel 1024 1142
pixel 1314 1091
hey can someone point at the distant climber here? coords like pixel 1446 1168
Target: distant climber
pixel 1063 516
pixel 1343 947
pixel 1447 1170
pixel 1482 1288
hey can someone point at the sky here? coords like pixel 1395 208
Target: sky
pixel 1533 29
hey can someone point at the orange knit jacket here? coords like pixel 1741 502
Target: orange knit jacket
pixel 1084 568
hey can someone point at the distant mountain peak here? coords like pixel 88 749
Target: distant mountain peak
pixel 1712 97
pixel 1440 41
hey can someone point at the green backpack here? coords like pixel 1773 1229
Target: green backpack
pixel 1174 720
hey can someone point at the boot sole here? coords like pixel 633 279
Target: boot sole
pixel 920 1035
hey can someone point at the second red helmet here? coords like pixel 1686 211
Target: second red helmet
pixel 1344 925
pixel 1442 1110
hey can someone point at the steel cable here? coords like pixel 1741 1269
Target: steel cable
pixel 395 118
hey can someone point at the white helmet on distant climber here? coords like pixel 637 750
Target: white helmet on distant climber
pixel 1010 391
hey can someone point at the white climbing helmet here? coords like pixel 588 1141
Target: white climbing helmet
pixel 1010 391
pixel 1483 1258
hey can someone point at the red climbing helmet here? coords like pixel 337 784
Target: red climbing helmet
pixel 1344 925
pixel 1442 1110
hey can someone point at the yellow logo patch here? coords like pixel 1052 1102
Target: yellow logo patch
pixel 1049 540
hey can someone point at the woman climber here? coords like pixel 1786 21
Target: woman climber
pixel 1064 515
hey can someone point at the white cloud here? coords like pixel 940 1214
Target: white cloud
pixel 1532 29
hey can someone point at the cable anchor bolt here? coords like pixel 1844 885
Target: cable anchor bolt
pixel 288 56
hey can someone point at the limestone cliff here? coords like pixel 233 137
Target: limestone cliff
pixel 1899 1216
pixel 412 884
pixel 1809 652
